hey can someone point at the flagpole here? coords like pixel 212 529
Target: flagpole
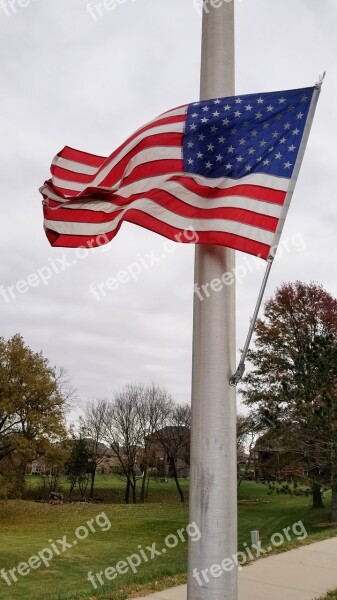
pixel 213 482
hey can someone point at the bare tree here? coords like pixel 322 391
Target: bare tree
pixel 93 424
pixel 123 433
pixel 174 439
pixel 154 408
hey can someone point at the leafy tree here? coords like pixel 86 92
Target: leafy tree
pixel 77 466
pixel 33 398
pixel 294 375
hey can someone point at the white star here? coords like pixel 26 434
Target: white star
pixel 190 161
pixel 254 133
pixel 210 147
pixel 242 142
pixel 204 120
pixel 239 159
pixel 233 131
pixel 259 115
pixel 249 107
pixel 217 101
pixel 237 113
pixel 251 151
pixel 282 100
pixel 238 101
pixel 226 121
pixel 200 155
pixel 214 129
pixel 227 107
pixel 287 165
pixel 266 162
pixel 201 137
pixel 304 98
pixel 271 149
pixel 216 114
pixel 219 158
pixel 221 140
pixel 195 115
pixel 248 168
pixel 296 131
pixel 229 166
pixel 278 155
pixel 259 159
pixel 193 127
pixel 263 143
pixel 270 108
pixel 260 101
pixel 287 126
pixel 283 140
pixel 292 148
pixel 275 134
pixel 230 149
pixel 266 126
pixel 196 103
pixel 208 165
pixel 205 109
pixel 190 144
pixel 300 115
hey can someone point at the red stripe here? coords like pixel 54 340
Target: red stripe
pixel 154 169
pixel 82 157
pixel 210 237
pixel 167 201
pixel 170 140
pixel 257 192
pixel 165 139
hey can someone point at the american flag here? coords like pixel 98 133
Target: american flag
pixel 225 167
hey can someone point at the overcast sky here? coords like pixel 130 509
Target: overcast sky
pixel 69 78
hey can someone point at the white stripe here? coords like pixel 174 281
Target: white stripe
pixel 76 167
pixel 178 191
pixel 145 185
pixel 223 183
pixel 151 208
pixel 79 187
pixel 157 153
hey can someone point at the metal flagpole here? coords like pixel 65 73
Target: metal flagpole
pixel 236 378
pixel 213 485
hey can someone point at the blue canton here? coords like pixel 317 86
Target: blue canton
pixel 241 135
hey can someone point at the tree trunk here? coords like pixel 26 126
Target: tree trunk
pixel 317 501
pixel 143 489
pixel 127 490
pixel 92 484
pixel 134 490
pixel 176 479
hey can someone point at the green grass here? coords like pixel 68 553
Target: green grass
pixel 330 596
pixel 26 527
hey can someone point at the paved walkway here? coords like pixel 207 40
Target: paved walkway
pixel 306 573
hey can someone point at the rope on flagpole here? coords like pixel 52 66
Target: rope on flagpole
pixel 236 378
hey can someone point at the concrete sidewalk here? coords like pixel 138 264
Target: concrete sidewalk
pixel 306 573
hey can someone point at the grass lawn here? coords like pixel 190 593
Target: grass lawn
pixel 26 528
